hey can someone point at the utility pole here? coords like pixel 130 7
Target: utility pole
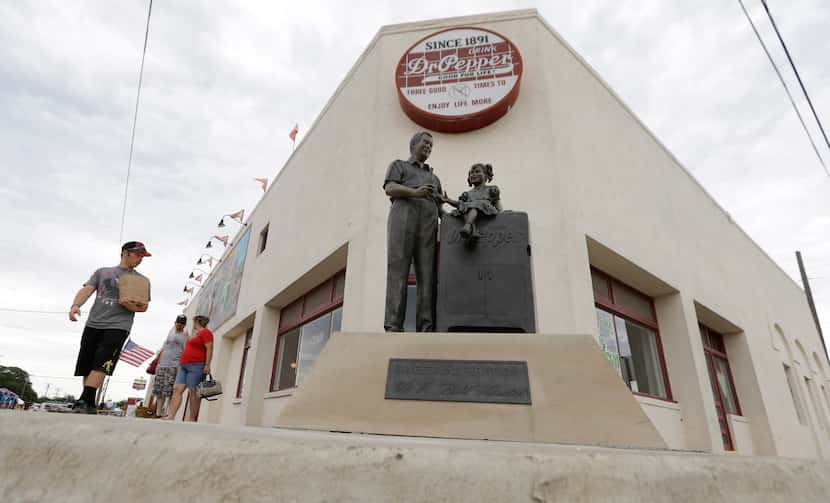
pixel 810 302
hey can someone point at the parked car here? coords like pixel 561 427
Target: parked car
pixel 57 407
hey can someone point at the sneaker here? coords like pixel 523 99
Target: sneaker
pixel 81 407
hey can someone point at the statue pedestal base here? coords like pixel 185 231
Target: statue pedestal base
pixel 575 395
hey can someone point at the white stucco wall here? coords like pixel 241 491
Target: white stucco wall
pixel 599 189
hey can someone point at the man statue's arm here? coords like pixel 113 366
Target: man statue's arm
pixel 397 190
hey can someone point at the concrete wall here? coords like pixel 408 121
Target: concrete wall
pixel 600 190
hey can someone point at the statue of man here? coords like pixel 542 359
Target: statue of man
pixel 412 231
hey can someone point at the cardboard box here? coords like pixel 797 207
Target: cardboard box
pixel 133 287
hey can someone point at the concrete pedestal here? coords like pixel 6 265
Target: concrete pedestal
pixel 576 397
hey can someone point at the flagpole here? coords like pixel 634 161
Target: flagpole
pixel 103 391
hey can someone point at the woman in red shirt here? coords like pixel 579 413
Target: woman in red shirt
pixel 193 366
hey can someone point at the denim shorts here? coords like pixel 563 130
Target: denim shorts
pixel 190 374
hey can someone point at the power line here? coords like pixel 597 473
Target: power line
pixel 795 70
pixel 11 310
pixel 786 88
pixel 74 378
pixel 135 120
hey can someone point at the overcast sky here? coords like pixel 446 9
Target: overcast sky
pixel 224 82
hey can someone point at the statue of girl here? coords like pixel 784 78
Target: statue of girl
pixel 482 199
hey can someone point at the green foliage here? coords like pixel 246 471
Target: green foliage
pixel 17 380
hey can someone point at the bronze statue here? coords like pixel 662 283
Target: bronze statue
pixel 412 229
pixel 482 199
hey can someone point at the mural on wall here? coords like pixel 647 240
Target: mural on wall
pixel 218 297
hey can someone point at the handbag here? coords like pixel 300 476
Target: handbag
pixel 208 388
pixel 151 369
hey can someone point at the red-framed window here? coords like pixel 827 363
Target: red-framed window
pixel 305 326
pixel 629 335
pixel 241 382
pixel 720 378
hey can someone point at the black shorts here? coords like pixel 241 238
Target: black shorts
pixel 100 348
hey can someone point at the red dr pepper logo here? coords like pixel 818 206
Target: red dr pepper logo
pixel 459 79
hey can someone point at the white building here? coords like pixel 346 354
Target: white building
pixel 714 339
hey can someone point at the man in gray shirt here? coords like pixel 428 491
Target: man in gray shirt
pixel 108 324
pixel 169 363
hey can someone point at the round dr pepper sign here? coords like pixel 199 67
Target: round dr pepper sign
pixel 459 79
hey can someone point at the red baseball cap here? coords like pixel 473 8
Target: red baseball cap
pixel 136 246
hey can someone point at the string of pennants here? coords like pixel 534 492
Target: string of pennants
pixel 208 259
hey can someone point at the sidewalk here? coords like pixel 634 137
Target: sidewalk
pixel 76 458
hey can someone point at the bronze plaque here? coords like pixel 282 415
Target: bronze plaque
pixel 487 381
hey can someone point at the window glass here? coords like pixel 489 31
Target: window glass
pixel 712 340
pixel 717 341
pixel 645 358
pixel 632 302
pixel 286 372
pixel 339 285
pixel 607 338
pixel 263 239
pixel 314 336
pixel 730 403
pixel 290 314
pixel 639 357
pixel 626 364
pixel 317 299
pixel 600 285
pixel 336 319
pixel 710 367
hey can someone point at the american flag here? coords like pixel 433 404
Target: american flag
pixel 134 354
